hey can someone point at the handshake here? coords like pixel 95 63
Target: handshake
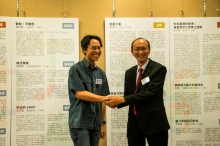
pixel 113 100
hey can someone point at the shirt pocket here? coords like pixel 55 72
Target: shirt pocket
pixel 87 83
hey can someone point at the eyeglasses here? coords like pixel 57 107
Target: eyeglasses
pixel 93 48
pixel 137 49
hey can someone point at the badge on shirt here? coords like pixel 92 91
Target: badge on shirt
pixel 98 81
pixel 145 80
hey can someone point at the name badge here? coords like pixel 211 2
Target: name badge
pixel 145 80
pixel 98 81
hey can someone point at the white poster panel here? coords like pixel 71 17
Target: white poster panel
pixel 195 76
pixel 43 50
pixel 5 81
pixel 119 34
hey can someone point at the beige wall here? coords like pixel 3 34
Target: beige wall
pixel 91 13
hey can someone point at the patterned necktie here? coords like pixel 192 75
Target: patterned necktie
pixel 138 82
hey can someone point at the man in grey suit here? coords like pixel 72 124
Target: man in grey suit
pixel 147 116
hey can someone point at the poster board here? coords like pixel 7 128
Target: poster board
pixel 189 48
pixel 42 51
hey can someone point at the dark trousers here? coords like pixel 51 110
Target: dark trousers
pixel 137 138
pixel 85 137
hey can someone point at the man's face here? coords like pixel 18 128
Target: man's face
pixel 93 51
pixel 141 51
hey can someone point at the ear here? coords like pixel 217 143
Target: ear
pixel 132 52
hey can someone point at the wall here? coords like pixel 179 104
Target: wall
pixel 92 13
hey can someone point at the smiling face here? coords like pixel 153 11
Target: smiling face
pixel 140 50
pixel 93 52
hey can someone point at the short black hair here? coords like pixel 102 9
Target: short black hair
pixel 138 39
pixel 86 40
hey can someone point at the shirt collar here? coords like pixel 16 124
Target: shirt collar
pixel 144 66
pixel 86 62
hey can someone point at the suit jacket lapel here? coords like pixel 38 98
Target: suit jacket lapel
pixel 133 78
pixel 148 69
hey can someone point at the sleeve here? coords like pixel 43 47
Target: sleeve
pixel 74 81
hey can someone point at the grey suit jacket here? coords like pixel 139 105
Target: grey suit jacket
pixel 151 114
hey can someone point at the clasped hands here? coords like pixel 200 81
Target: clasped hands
pixel 113 100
